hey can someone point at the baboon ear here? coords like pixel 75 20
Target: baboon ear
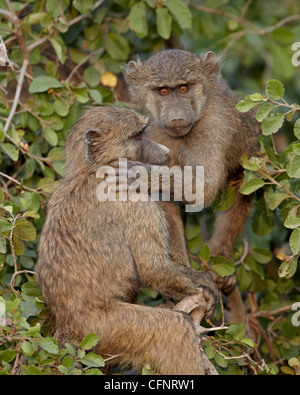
pixel 131 71
pixel 92 135
pixel 211 62
pixel 93 144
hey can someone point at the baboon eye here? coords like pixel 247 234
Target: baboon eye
pixel 164 91
pixel 183 88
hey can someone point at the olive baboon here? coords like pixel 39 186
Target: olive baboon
pixel 94 255
pixel 192 112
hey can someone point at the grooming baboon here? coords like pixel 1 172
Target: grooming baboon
pixel 192 112
pixel 94 256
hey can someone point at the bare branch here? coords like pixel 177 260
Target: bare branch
pixel 17 95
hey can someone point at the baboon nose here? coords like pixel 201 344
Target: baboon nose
pixel 165 151
pixel 177 120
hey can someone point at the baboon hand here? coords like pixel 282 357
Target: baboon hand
pixel 225 284
pixel 195 305
pixel 207 284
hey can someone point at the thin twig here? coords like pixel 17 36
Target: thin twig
pixel 16 273
pixel 245 253
pixel 18 182
pixel 17 95
pixel 5 13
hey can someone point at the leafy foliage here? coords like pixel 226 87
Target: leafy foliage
pixel 67 55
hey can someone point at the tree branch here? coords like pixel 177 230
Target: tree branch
pixel 17 95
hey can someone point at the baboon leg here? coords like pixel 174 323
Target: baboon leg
pixel 136 334
pixel 177 237
pixel 229 225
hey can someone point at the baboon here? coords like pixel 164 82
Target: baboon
pixel 193 112
pixel 93 256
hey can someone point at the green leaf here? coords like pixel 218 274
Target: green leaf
pixel 138 19
pixel 92 76
pixel 284 36
pixel 61 107
pixel 226 200
pixel 256 97
pixel 8 355
pixel 293 167
pixel 27 348
pixel 60 168
pixel 276 198
pixel 46 184
pixel 209 350
pixel 43 83
pixel 181 12
pixel 93 372
pixel 272 124
pixel 262 255
pixel 192 227
pixel 222 266
pixel 296 148
pixel 292 222
pixel 252 185
pixel 11 151
pixel 297 129
pixel 288 269
pixel 205 253
pixel 31 370
pixel 275 89
pixel 221 361
pixel 30 288
pixel 194 245
pixel 83 6
pixel 248 342
pixel 235 331
pixel 18 245
pixel 264 111
pixel 246 105
pixel 68 362
pixel 96 96
pixel 31 214
pixel 92 360
pixel 50 345
pixel 25 230
pixel 117 46
pixel 34 331
pixel 295 241
pixel 89 341
pixel 60 48
pixel 164 22
pixel 51 137
pixel 32 200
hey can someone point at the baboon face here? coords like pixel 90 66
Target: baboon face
pixel 174 108
pixel 120 133
pixel 173 86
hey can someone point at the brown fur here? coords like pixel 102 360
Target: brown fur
pixel 201 128
pixel 94 256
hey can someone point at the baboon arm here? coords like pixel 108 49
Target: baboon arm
pixel 168 280
pixel 229 225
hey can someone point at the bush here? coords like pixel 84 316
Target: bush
pixel 66 55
